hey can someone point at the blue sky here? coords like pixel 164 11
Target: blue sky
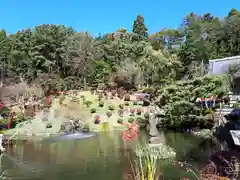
pixel 105 15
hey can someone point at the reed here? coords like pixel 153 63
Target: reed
pixel 145 167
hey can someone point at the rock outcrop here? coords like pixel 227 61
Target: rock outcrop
pixel 73 125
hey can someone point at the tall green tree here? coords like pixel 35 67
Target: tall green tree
pixel 139 27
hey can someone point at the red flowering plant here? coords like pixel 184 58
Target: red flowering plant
pixel 97 117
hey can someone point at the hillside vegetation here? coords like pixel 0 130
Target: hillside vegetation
pixel 172 61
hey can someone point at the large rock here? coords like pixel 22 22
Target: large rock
pixel 72 125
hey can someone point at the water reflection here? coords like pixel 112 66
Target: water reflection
pixel 104 156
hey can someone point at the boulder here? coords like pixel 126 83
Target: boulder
pixel 72 125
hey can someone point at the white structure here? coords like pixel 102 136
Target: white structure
pixel 236 136
pixel 220 66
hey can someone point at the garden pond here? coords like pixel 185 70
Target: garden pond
pixel 102 157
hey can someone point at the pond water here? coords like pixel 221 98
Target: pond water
pixel 103 157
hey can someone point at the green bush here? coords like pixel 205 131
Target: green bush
pixel 61 98
pixel 3 120
pixel 121 106
pixel 120 121
pixel 93 110
pixel 236 105
pixel 135 102
pixel 126 103
pixel 146 115
pixel 139 111
pixel 120 112
pixel 111 107
pixel 148 90
pixel 20 117
pixel 88 103
pixel 109 114
pixel 101 104
pixel 142 122
pixel 178 101
pixel 100 96
pixel 127 97
pixel 85 128
pixel 131 120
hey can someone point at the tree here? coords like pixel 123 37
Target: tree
pixel 139 27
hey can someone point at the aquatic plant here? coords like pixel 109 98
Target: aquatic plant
pixel 159 151
pixel 145 167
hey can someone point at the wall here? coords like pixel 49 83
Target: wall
pixel 221 66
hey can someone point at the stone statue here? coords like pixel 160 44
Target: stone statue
pixel 152 121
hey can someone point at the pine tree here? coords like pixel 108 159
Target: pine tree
pixel 139 27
